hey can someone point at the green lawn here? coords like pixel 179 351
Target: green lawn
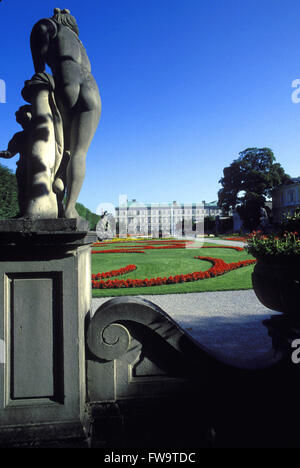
pixel 154 263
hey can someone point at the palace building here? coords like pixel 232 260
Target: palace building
pixel 163 219
pixel 286 199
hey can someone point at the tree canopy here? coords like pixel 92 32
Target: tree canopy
pixel 248 182
pixel 8 193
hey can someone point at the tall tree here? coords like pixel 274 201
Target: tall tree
pixel 8 193
pixel 248 182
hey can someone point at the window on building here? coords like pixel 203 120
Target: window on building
pixel 291 195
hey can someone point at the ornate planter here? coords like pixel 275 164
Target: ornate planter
pixel 276 282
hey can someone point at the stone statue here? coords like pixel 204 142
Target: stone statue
pixel 44 150
pixel 106 226
pixel 263 218
pixel 59 123
pixel 55 42
pixel 18 145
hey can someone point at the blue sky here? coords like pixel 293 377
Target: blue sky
pixel 185 86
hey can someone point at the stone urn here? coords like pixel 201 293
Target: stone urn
pixel 276 282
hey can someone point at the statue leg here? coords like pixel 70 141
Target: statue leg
pixel 80 106
pixel 83 128
pixel 62 175
pixel 65 101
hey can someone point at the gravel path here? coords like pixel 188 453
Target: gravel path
pixel 229 322
pixel 223 242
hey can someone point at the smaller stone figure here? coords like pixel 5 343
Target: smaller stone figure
pixel 44 148
pixel 106 226
pixel 18 145
pixel 263 219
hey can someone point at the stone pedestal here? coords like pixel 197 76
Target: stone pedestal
pixel 45 295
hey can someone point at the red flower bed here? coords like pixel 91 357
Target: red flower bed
pixel 109 274
pixel 172 246
pixel 132 249
pixel 174 241
pixel 239 249
pixel 219 267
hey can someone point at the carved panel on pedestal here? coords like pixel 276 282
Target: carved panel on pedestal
pixel 34 328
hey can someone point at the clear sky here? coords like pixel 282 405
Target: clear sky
pixel 185 85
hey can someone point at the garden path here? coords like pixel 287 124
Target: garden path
pixel 228 322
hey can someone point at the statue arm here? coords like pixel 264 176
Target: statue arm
pixel 12 148
pixel 6 154
pixel 40 37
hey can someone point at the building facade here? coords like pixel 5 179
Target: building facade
pixel 286 199
pixel 163 219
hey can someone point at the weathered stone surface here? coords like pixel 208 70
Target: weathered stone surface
pixel 42 153
pixel 57 435
pixel 151 385
pixel 54 41
pixel 37 225
pixel 28 238
pixel 44 300
pixel 58 124
pixel 135 350
pixel 131 340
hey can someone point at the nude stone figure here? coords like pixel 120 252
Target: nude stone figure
pixel 18 145
pixel 55 42
pixel 44 149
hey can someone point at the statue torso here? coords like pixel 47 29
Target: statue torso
pixel 67 57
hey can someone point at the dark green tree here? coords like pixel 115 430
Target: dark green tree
pixel 248 182
pixel 8 193
pixel 81 210
pixel 85 213
pixel 209 224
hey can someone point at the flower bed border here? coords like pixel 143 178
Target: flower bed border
pixel 233 247
pixel 219 267
pixel 109 274
pixel 174 246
